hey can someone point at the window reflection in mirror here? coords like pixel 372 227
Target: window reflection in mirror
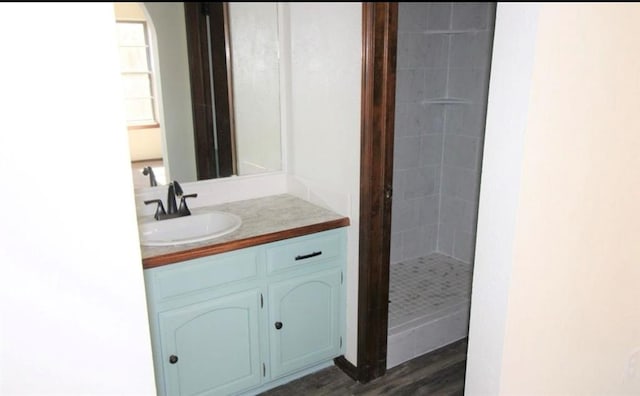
pixel 161 133
pixel 139 94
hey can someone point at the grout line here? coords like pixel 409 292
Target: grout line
pixel 444 130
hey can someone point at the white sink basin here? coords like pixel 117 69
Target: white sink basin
pixel 188 229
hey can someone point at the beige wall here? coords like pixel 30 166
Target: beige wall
pixel 129 11
pixel 572 318
pixel 145 144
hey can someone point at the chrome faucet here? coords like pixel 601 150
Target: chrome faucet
pixel 174 191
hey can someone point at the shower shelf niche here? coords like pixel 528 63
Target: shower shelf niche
pixel 460 31
pixel 449 101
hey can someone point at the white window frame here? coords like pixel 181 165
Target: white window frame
pixel 153 122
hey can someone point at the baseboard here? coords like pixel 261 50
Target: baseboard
pixel 347 367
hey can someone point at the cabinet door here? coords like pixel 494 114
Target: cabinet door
pixel 304 321
pixel 212 347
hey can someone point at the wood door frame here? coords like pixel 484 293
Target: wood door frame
pixel 379 43
pixel 207 112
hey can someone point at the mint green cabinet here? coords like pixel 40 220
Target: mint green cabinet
pixel 248 320
pixel 212 347
pixel 304 321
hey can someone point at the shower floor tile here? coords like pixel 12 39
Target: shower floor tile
pixel 427 287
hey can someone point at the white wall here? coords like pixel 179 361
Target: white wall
pixel 509 87
pixel 74 317
pixel 324 121
pixel 255 81
pixel 561 283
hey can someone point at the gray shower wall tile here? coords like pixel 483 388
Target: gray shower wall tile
pixel 435 83
pixel 395 254
pixel 470 50
pixel 460 151
pixel 416 119
pixel 412 244
pixel 478 166
pixel 470 219
pixel 492 17
pixel 436 48
pixel 464 246
pixel 406 153
pixel 398 186
pixel 417 50
pixel 409 85
pixel 430 210
pixel 419 242
pixel 469 84
pixel 405 215
pixel 438 16
pixel 452 211
pixel 431 150
pixel 460 183
pixel 412 17
pixel 421 182
pixel 402 51
pixel 471 16
pixel 460 214
pixel 401 118
pixel 425 119
pixel 466 119
pixel 446 236
pixel 429 235
pixel 437 148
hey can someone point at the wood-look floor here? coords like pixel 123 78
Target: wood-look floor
pixel 440 372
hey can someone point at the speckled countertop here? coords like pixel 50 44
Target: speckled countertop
pixel 264 220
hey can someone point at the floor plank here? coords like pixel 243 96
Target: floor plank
pixel 440 372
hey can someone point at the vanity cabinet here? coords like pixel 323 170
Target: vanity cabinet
pixel 248 320
pixel 304 325
pixel 212 346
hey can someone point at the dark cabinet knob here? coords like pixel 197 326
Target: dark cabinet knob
pixel 278 325
pixel 173 359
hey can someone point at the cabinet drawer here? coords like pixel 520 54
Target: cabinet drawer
pixel 204 273
pixel 305 251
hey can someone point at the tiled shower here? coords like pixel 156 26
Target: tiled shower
pixel 443 63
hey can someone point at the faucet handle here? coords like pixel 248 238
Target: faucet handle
pixel 184 210
pixel 159 209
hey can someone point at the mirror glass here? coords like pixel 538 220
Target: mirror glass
pixel 157 94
